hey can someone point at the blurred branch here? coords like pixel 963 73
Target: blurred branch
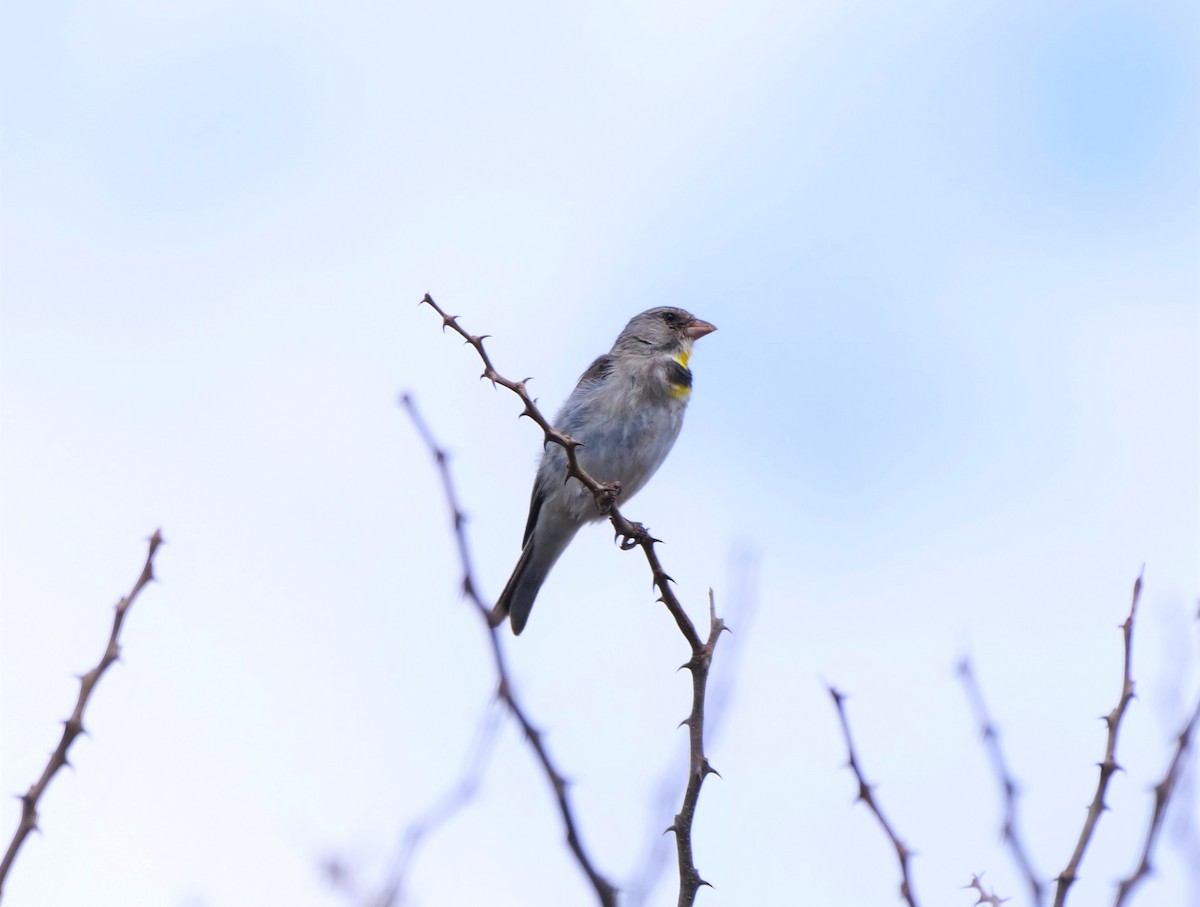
pixel 444 809
pixel 73 726
pixel 1162 799
pixel 991 740
pixel 1109 766
pixel 866 794
pixel 1184 827
pixel 441 812
pixel 632 535
pixel 989 898
pixel 605 893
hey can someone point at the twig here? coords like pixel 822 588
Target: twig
pixel 1109 766
pixel 605 893
pixel 73 726
pixel 632 535
pixel 991 739
pixel 990 898
pixel 1162 798
pixel 866 794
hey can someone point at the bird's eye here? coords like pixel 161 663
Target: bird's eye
pixel 671 318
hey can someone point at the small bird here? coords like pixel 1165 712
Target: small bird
pixel 626 411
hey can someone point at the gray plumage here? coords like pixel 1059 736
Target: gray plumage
pixel 626 410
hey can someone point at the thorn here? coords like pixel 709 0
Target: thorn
pixel 705 884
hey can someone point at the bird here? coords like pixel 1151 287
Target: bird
pixel 626 412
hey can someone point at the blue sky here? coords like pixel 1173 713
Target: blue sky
pixel 953 406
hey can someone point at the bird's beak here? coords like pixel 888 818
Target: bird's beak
pixel 698 329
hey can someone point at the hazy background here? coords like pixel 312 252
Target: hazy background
pixel 953 406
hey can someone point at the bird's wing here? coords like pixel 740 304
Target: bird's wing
pixel 595 375
pixel 596 372
pixel 535 507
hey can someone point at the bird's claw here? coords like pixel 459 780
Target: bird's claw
pixel 636 534
pixel 607 496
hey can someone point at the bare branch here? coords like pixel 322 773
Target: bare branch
pixel 1162 799
pixel 698 765
pixel 73 726
pixel 991 739
pixel 866 794
pixel 605 893
pixel 632 535
pixel 1109 766
pixel 740 606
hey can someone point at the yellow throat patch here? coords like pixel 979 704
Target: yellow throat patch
pixel 679 391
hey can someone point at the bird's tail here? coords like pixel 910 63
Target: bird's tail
pixel 516 601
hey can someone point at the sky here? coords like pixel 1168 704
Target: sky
pixel 952 409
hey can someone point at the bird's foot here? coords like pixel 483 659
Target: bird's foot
pixel 635 535
pixel 607 496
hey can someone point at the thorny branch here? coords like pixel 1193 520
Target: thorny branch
pixel 740 606
pixel 605 892
pixel 1162 798
pixel 991 740
pixel 1163 791
pixel 1109 766
pixel 866 794
pixel 73 726
pixel 632 535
